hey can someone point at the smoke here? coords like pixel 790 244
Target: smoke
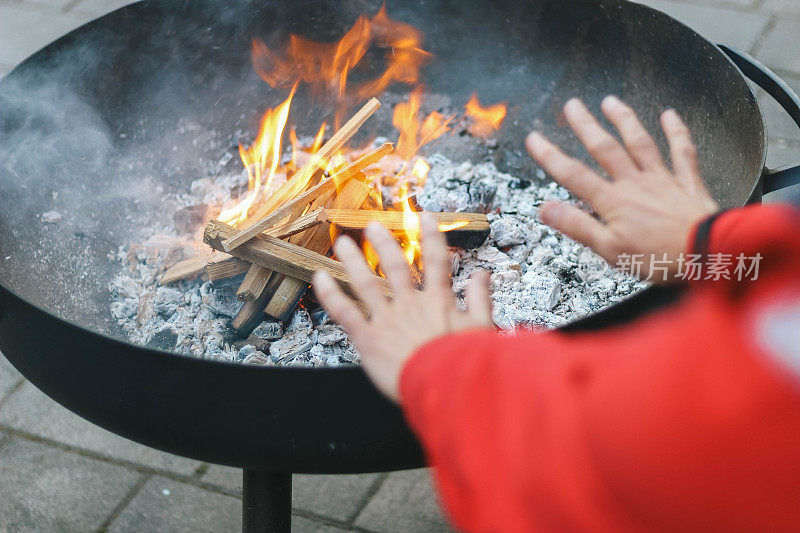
pixel 111 124
pixel 100 131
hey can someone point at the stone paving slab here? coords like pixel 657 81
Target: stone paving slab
pixel 9 377
pixel 734 27
pixel 30 411
pixel 783 133
pixel 780 47
pixel 782 153
pixel 45 489
pixel 56 6
pixel 26 29
pixel 782 6
pixel 405 502
pixel 100 7
pixel 730 3
pixel 304 525
pixel 224 477
pixel 167 505
pixel 780 125
pixel 336 497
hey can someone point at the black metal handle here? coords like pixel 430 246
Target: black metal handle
pixel 762 76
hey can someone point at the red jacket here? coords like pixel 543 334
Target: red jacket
pixel 685 420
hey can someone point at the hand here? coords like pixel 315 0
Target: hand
pixel 397 327
pixel 645 208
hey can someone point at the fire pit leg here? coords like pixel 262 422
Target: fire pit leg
pixel 266 502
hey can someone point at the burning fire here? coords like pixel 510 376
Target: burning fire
pixel 327 68
pixel 260 159
pixel 485 120
pixel 415 133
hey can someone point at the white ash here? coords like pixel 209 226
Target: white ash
pixel 268 331
pixel 51 217
pixel 539 278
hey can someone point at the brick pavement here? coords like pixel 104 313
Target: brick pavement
pixel 58 472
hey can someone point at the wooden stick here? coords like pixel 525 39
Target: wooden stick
pixel 229 267
pixel 302 176
pixel 298 225
pixel 284 257
pixel 471 235
pixel 393 220
pixel 254 282
pixel 186 269
pixel 290 291
pixel 299 203
pixel 226 269
pixel 257 277
pixel 252 313
pixel 283 295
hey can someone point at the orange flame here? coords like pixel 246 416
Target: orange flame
pixel 328 66
pixel 315 146
pixel 370 255
pixel 485 120
pixel 261 160
pixel 413 133
pixel 410 238
pixel 404 58
pixel 412 250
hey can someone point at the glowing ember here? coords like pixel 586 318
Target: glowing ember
pixel 485 120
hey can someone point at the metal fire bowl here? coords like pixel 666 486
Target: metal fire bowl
pixel 104 122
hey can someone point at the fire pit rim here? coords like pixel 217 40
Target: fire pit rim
pixel 352 371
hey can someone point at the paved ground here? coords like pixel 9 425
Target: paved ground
pixel 60 473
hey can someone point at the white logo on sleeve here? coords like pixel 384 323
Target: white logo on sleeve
pixel 778 329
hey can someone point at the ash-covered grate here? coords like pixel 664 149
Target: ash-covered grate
pixel 540 279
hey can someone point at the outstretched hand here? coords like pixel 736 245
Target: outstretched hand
pixel 646 209
pixel 397 327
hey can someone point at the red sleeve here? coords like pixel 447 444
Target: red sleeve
pixel 679 421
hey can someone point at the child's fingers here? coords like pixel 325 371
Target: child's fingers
pixel 600 143
pixel 569 172
pixel 434 255
pixel 640 144
pixel 479 303
pixel 365 283
pixel 682 150
pixel 392 262
pixel 577 224
pixel 341 308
